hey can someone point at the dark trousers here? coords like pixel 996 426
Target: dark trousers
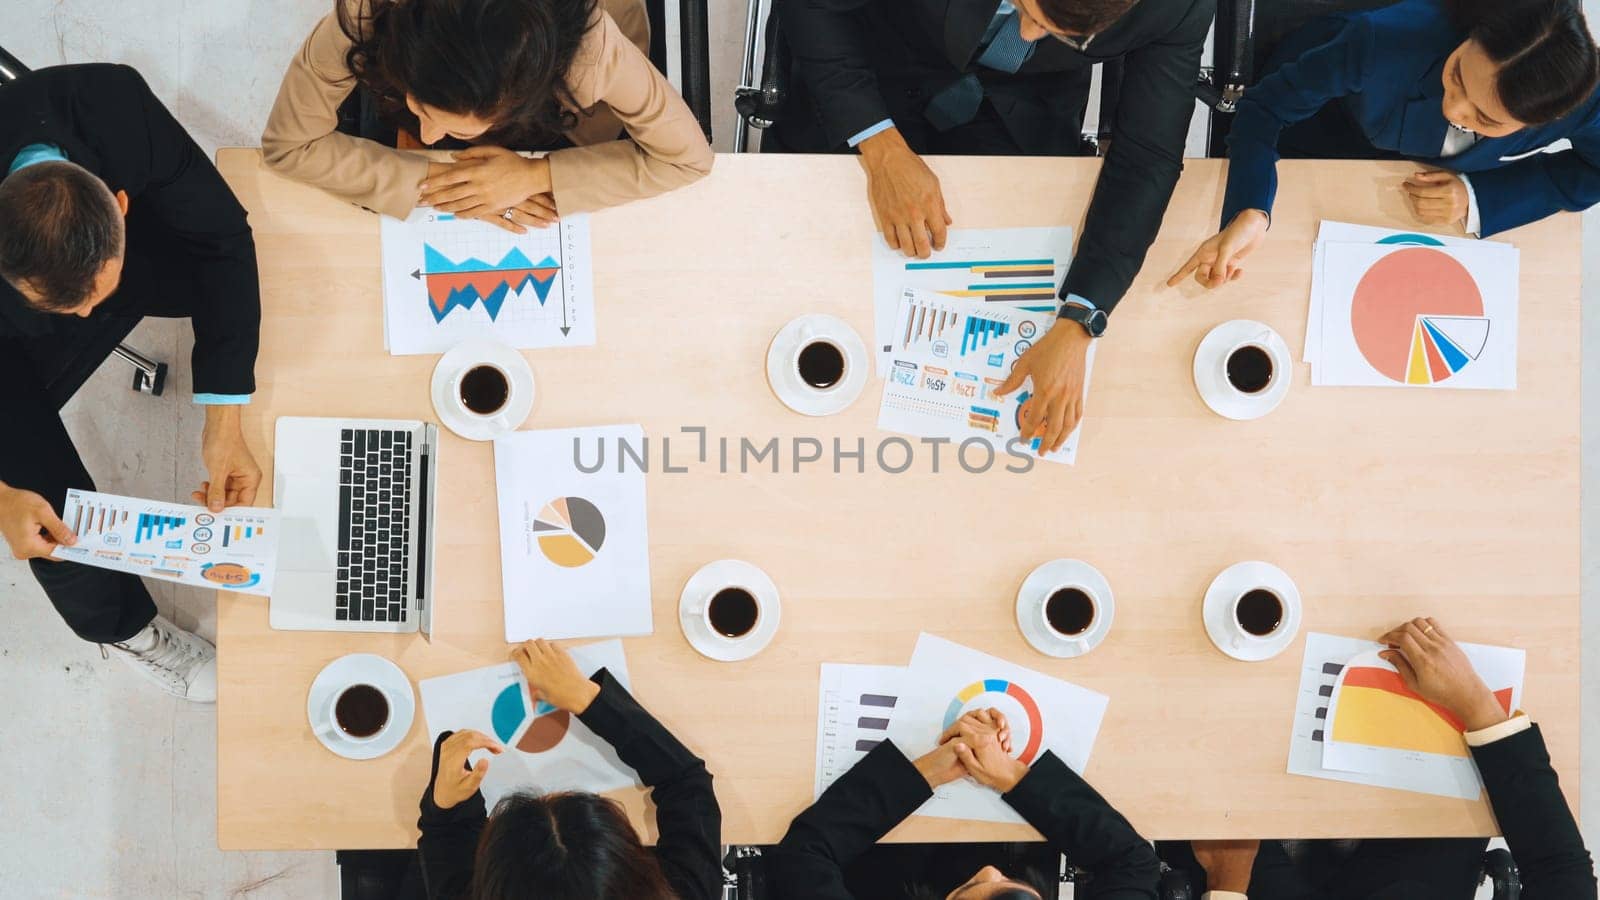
pixel 1400 869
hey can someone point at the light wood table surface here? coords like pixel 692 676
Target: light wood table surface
pixel 1381 504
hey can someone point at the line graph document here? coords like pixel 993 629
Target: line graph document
pixel 447 279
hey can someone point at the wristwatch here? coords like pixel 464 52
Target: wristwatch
pixel 1093 321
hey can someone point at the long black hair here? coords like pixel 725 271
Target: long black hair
pixel 1547 58
pixel 505 61
pixel 567 846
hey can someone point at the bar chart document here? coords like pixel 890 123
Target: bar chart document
pixel 1011 267
pixel 233 550
pixel 447 279
pixel 855 704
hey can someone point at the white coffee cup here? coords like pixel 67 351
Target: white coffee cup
pixel 824 345
pixel 1242 634
pixel 1258 342
pixel 330 727
pixel 739 610
pixel 494 415
pixel 1079 639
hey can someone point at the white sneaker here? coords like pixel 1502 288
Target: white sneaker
pixel 182 663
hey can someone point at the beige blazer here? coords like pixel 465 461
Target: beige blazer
pixel 612 81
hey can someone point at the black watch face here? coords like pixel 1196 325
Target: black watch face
pixel 1097 322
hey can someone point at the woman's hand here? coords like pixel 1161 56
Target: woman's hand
pixel 981 740
pixel 553 677
pixel 1219 260
pixel 1437 198
pixel 485 182
pixel 1434 666
pixel 456 781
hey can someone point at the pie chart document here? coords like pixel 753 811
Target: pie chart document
pixel 1419 316
pixel 574 547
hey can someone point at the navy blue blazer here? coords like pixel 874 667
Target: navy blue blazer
pixel 1386 65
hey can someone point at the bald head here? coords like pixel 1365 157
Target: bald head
pixel 61 236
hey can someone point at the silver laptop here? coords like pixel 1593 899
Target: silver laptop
pixel 356 501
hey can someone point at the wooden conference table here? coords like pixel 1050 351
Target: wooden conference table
pixel 1381 504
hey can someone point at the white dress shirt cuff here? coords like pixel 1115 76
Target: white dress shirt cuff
pixel 1223 895
pixel 869 131
pixel 1514 725
pixel 1474 224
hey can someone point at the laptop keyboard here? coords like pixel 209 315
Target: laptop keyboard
pixel 374 525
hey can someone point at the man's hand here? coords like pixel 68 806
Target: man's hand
pixel 455 781
pixel 1434 666
pixel 1436 198
pixel 905 195
pixel 1219 260
pixel 1056 365
pixel 31 528
pixel 234 475
pixel 484 182
pixel 554 677
pixel 1227 863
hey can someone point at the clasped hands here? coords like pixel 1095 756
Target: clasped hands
pixel 484 183
pixel 978 746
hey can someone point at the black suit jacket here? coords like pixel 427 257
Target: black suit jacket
pixel 1533 814
pixel 884 788
pixel 687 814
pixel 858 62
pixel 189 249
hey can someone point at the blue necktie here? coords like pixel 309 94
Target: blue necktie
pixel 958 103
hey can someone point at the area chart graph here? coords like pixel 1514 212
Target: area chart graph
pixel 452 285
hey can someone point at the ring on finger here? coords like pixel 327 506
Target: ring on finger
pixel 507 214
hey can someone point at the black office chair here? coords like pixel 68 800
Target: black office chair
pixel 1498 869
pixel 359 116
pixel 149 375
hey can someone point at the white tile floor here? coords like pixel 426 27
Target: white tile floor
pixel 124 778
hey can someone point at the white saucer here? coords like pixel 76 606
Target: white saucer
pixel 464 356
pixel 713 577
pixel 785 378
pixel 1213 385
pixel 1032 594
pixel 1218 612
pixel 361 668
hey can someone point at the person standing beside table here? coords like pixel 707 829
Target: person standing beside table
pixel 1523 791
pixel 1472 89
pixel 109 212
pixel 897 79
pixel 571 845
pixel 829 852
pixel 568 76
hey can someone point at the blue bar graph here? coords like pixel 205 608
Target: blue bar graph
pixel 979 331
pixel 150 527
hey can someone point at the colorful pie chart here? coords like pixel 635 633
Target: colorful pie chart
pixel 570 531
pixel 1417 316
pixel 1015 692
pixel 508 714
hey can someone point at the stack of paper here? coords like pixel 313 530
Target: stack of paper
pixel 861 706
pixel 1356 721
pixel 1397 309
pixel 234 550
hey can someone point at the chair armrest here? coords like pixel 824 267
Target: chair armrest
pixel 1234 56
pixel 695 52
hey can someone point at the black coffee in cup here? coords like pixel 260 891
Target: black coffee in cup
pixel 1069 611
pixel 484 389
pixel 1260 612
pixel 821 364
pixel 1250 369
pixel 361 711
pixel 733 612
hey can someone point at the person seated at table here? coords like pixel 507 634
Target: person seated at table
pixel 109 212
pixel 566 76
pixel 895 80
pixel 572 845
pixel 1523 791
pixel 1471 89
pixel 829 852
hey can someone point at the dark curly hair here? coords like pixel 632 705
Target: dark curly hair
pixel 566 846
pixel 1547 58
pixel 505 61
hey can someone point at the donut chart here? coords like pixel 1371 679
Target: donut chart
pixel 570 531
pixel 1417 316
pixel 1015 692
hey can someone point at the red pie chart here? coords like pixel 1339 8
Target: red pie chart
pixel 1417 316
